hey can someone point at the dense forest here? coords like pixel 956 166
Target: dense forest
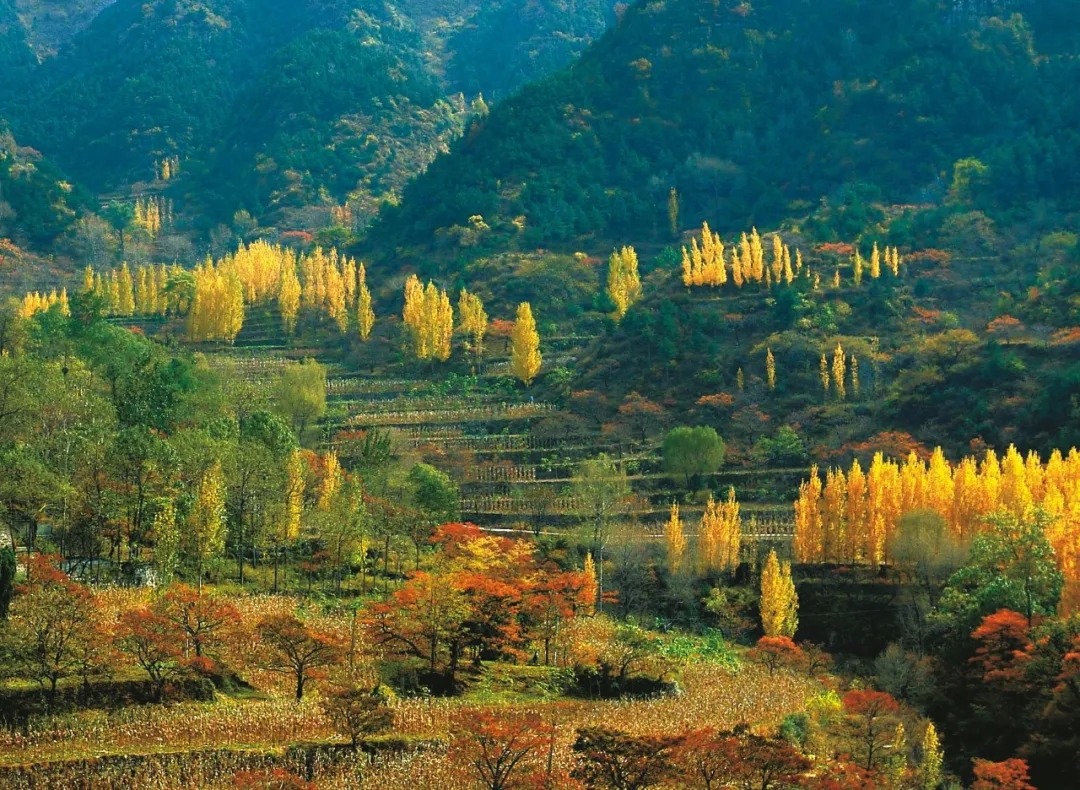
pixel 675 394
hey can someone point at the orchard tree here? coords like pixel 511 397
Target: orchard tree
pixel 202 620
pixel 871 722
pixel 600 490
pixel 504 750
pixel 614 760
pixel 52 624
pixel 294 648
pixel 1011 566
pixel 357 712
pixel 154 643
pixel 300 394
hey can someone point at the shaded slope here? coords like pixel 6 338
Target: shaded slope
pixel 756 114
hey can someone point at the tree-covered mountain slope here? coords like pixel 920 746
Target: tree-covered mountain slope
pixel 270 105
pixel 758 111
pixel 50 24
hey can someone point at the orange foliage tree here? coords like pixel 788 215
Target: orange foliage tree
pixel 294 648
pixel 504 751
pixel 1006 775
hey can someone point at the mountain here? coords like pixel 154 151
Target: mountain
pixel 521 41
pixel 49 24
pixel 758 112
pixel 15 52
pixel 271 106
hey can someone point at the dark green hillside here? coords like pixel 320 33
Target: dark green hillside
pixel 36 203
pixel 508 44
pixel 146 81
pixel 15 53
pixel 340 113
pixel 756 113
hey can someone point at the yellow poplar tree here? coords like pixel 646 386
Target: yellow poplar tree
pixel 857 267
pixel 365 314
pixel 770 368
pixel 623 283
pixel 929 773
pixel 823 372
pixel 88 279
pixel 591 587
pixel 206 523
pixel 294 495
pixel 839 371
pixel 289 296
pixel 473 320
pixel 779 602
pixel 126 292
pixel 336 299
pixel 809 522
pixel 675 538
pixel 525 357
pixel 875 263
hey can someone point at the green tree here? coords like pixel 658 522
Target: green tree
pixel 1011 565
pixel 434 494
pixel 300 394
pixel 600 491
pixel 693 452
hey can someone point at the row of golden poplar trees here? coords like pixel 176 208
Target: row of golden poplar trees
pixel 854 516
pixel 707 264
pixel 214 298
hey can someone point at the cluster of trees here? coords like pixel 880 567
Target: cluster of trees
pixel 719 538
pixel 153 290
pixel 854 517
pixel 707 265
pixel 854 743
pixel 482 597
pixel 57 631
pixel 36 302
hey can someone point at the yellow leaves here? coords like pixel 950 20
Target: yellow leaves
pixel 332 478
pixel 289 294
pixel 217 311
pixel 294 495
pixel 591 586
pixel 779 602
pixel 705 265
pixel 206 523
pixel 125 304
pixel 675 538
pixel 721 535
pixel 770 368
pixel 365 314
pixel 525 357
pixel 809 538
pixel 429 318
pixel 839 372
pixel 623 283
pixel 473 320
pixel 856 520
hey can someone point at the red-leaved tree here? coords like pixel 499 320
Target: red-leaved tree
pixel 1007 775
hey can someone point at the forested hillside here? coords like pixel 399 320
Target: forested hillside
pixel 759 112
pixel 270 105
